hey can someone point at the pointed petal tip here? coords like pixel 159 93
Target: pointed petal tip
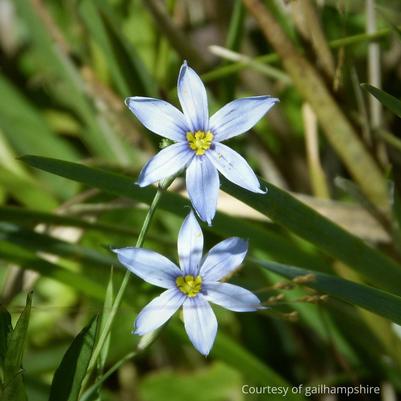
pixel 206 219
pixel 140 183
pixel 263 191
pixel 130 102
pixel 245 241
pixel 259 190
pixel 203 351
pixel 184 66
pixel 274 99
pixel 271 99
pixel 132 99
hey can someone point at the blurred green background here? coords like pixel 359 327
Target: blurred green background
pixel 66 67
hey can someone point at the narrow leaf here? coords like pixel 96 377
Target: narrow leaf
pixel 16 343
pixel 32 217
pixel 27 260
pixel 13 380
pixel 5 330
pixel 384 98
pixel 377 301
pixel 278 205
pixel 42 242
pixel 107 307
pixel 294 215
pixel 283 249
pixel 68 377
pixel 126 67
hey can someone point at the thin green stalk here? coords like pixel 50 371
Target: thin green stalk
pixel 274 57
pixel 335 124
pixel 118 299
pixel 390 139
pixel 91 390
pixel 268 70
pixel 234 35
pixel 146 341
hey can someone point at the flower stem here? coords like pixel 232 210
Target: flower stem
pixel 119 296
pixel 91 390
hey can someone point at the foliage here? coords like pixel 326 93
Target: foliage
pixel 325 241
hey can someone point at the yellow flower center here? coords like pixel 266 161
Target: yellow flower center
pixel 199 141
pixel 189 285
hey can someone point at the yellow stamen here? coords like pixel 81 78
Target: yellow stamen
pixel 189 285
pixel 200 141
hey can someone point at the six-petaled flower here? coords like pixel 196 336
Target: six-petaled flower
pixel 192 285
pixel 198 146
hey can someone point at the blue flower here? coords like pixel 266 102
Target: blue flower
pixel 192 285
pixel 197 138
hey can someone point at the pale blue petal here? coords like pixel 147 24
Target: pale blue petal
pixel 149 266
pixel 159 117
pixel 193 98
pixel 200 323
pixel 158 311
pixel 167 162
pixel 223 259
pixel 231 297
pixel 190 245
pixel 203 184
pixel 239 116
pixel 234 167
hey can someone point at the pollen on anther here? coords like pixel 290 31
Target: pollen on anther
pixel 200 141
pixel 189 285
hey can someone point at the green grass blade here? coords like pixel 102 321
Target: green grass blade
pixel 5 331
pixel 292 214
pixel 384 98
pixel 45 243
pixel 236 27
pixel 26 260
pixel 28 217
pixel 377 301
pixel 89 394
pixel 68 377
pixel 278 205
pixel 16 342
pixel 24 125
pixel 126 67
pixel 233 42
pixel 283 249
pixel 27 191
pixel 13 380
pixel 107 307
pixel 102 140
pixel 221 72
pixel 94 24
